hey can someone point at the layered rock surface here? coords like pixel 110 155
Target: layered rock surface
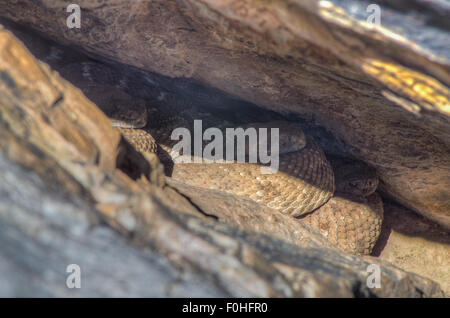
pixel 68 175
pixel 383 94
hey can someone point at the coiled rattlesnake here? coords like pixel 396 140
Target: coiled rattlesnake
pixel 303 186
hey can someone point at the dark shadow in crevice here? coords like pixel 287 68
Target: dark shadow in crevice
pixel 199 209
pixel 189 95
pixel 131 162
pixel 402 220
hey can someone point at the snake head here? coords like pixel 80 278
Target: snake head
pixel 128 115
pixel 290 136
pixel 128 120
pixel 355 178
pixel 124 111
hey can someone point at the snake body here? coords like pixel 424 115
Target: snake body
pixel 351 219
pixel 303 186
pixel 303 182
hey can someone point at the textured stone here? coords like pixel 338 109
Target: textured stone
pixel 74 191
pixel 380 94
pixel 413 243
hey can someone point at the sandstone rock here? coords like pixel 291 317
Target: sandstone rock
pixel 74 191
pixel 382 92
pixel 413 243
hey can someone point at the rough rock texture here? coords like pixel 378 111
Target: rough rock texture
pixel 74 191
pixel 106 86
pixel 381 91
pixel 413 243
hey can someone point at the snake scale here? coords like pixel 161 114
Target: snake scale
pixel 336 198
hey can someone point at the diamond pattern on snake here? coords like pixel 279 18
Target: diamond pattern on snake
pixel 336 197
